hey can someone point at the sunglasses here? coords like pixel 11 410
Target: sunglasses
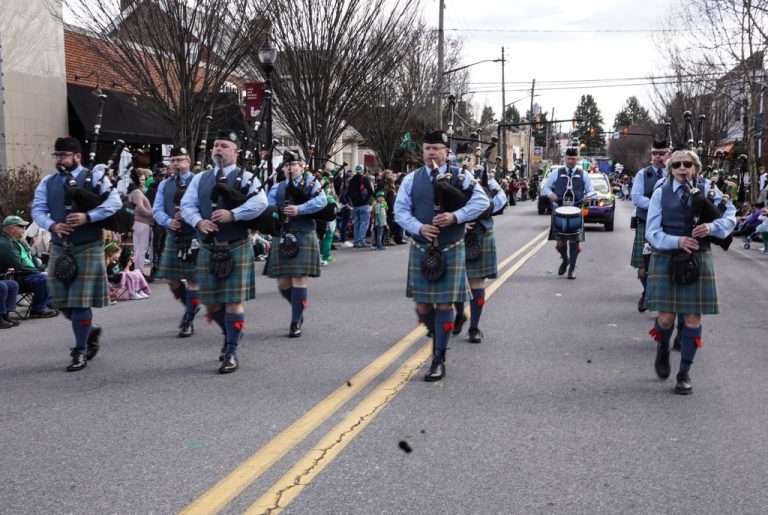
pixel 678 164
pixel 659 153
pixel 62 154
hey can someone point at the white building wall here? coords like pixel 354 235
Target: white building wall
pixel 33 111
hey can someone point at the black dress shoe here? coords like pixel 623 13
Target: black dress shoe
pixel 641 304
pixel 228 364
pixel 10 320
pixel 295 330
pixel 662 363
pixel 475 335
pixel 186 327
pixel 676 343
pixel 458 323
pixel 683 386
pixel 5 324
pixel 78 360
pixel 92 345
pixel 436 370
pixel 563 267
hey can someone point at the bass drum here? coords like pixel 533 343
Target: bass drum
pixel 567 222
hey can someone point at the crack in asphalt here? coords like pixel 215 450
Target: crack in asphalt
pixel 351 429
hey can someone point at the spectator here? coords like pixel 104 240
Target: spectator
pixel 16 255
pixel 360 193
pixel 142 221
pixel 9 290
pixel 380 210
pixel 122 280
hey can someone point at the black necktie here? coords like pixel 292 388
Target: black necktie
pixel 179 183
pixel 658 174
pixel 686 193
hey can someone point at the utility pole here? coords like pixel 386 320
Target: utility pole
pixel 546 142
pixel 503 116
pixel 530 131
pixel 440 65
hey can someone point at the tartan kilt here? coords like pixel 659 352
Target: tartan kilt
pixel 637 246
pixel 241 283
pixel 90 288
pixel 305 263
pixel 484 267
pixel 452 287
pixel 173 268
pixel 664 295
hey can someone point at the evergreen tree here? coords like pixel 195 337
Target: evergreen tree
pixel 539 128
pixel 512 115
pixel 631 114
pixel 487 118
pixel 590 125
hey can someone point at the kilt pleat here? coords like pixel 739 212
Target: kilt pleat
pixel 90 288
pixel 241 283
pixel 452 287
pixel 305 263
pixel 173 268
pixel 484 267
pixel 664 295
pixel 637 246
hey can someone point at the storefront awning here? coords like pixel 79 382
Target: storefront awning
pixel 129 118
pixel 727 147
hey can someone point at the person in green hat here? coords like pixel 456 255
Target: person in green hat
pixel 16 255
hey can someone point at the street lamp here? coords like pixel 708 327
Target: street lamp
pixel 267 57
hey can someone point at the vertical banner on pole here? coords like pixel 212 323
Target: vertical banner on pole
pixel 254 100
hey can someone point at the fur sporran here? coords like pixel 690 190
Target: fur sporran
pixel 432 264
pixel 65 268
pixel 289 246
pixel 221 265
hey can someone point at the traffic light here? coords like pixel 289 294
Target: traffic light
pixel 538 122
pixel 625 132
pixel 573 123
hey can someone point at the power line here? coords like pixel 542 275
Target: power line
pixel 618 79
pixel 587 31
pixel 595 86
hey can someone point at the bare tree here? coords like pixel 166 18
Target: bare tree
pixel 332 56
pixel 727 39
pixel 180 55
pixel 402 102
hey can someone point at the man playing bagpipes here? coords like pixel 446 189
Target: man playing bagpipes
pixel 77 274
pixel 224 271
pixel 568 186
pixel 295 253
pixel 181 244
pixel 432 207
pixel 480 251
pixel 642 189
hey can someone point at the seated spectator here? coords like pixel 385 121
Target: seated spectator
pixel 9 290
pixel 748 223
pixel 124 283
pixel 16 257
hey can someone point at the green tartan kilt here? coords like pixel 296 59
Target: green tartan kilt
pixel 305 263
pixel 89 289
pixel 484 267
pixel 637 246
pixel 452 287
pixel 173 268
pixel 241 283
pixel 664 295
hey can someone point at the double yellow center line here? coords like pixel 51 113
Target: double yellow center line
pixel 290 485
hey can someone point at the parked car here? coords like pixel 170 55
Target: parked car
pixel 602 207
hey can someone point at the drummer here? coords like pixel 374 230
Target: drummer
pixel 568 185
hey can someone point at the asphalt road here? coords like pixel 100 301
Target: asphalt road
pixel 557 411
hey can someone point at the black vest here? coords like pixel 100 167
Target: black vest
pixel 677 219
pixel 561 184
pixel 423 202
pixel 231 231
pixel 169 206
pixel 649 181
pixel 55 195
pixel 302 222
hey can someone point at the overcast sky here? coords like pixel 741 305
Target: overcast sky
pixel 487 25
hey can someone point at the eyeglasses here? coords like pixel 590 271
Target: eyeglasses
pixel 658 153
pixel 62 154
pixel 678 164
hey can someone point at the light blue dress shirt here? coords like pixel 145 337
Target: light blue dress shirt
pixel 638 188
pixel 656 236
pixel 158 209
pixel 252 208
pixel 41 214
pixel 476 205
pixel 312 205
pixel 552 176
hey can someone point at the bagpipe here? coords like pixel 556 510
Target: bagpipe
pixel 88 197
pixel 303 193
pixel 268 222
pixel 704 208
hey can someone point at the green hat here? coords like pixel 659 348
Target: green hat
pixel 14 220
pixel 379 194
pixel 358 168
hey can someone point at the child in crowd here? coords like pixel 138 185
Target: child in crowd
pixel 126 283
pixel 380 209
